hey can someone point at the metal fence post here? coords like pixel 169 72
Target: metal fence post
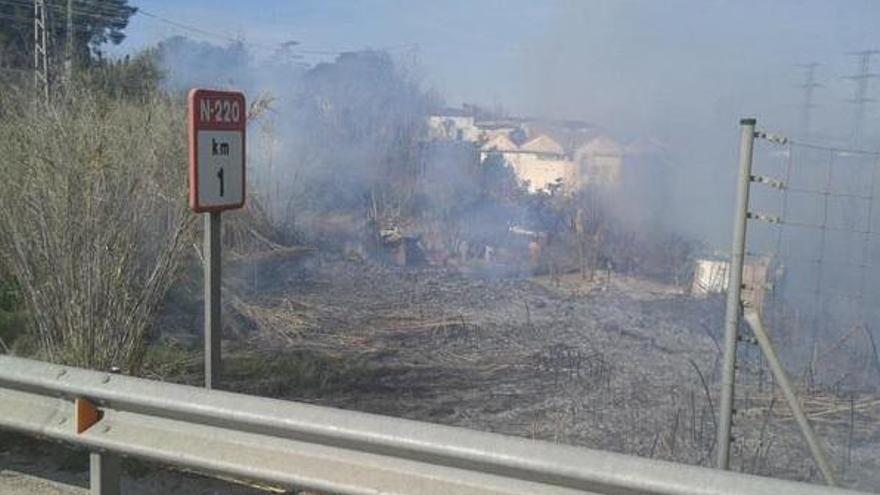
pixel 104 472
pixel 734 287
pixel 754 320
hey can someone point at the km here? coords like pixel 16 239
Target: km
pixel 219 148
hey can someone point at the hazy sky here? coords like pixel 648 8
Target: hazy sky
pixel 684 71
pixel 628 63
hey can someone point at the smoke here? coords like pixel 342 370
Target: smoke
pixel 341 146
pixel 678 73
pixel 328 139
pixel 346 135
pixel 685 72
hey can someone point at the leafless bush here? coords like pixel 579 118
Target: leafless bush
pixel 93 219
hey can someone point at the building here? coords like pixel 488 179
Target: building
pixel 540 163
pixel 452 124
pixel 544 154
pixel 711 276
pixel 600 161
pixel 543 164
pixel 500 143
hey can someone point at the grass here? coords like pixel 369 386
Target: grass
pixel 94 219
pixel 12 324
pixel 292 373
pixel 12 317
pixel 287 374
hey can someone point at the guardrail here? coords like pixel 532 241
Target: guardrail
pixel 326 449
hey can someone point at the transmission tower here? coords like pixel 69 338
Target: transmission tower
pixel 68 44
pixel 807 106
pixel 41 57
pixel 861 97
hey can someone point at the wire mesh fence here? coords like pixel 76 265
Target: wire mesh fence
pixel 815 232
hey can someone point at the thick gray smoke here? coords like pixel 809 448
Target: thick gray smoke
pixel 326 140
pixel 678 75
pixel 685 72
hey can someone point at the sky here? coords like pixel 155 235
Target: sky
pixel 466 49
pixel 681 71
pixel 576 58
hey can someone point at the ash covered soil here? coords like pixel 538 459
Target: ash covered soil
pixel 620 363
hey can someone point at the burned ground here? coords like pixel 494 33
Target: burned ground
pixel 618 364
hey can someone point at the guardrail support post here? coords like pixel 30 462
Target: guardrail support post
pixel 104 472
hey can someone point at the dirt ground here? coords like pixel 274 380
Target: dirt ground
pixel 618 363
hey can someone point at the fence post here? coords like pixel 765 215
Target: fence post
pixel 816 449
pixel 734 287
pixel 104 471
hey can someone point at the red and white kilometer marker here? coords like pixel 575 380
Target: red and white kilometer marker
pixel 216 183
pixel 217 121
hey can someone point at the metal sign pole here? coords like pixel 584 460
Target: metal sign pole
pixel 104 474
pixel 734 287
pixel 212 298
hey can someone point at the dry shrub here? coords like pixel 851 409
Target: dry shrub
pixel 93 219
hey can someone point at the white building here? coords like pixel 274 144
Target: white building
pixel 539 163
pixel 586 157
pixel 453 125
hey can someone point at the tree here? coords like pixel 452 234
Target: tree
pixel 470 200
pixel 135 76
pixel 498 181
pixel 190 63
pixel 96 23
pixel 358 121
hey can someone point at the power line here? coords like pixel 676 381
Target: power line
pixel 835 149
pixel 196 29
pixel 108 15
pixel 188 27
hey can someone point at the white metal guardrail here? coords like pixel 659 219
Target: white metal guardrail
pixel 332 450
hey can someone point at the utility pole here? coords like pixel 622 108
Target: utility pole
pixel 861 97
pixel 807 105
pixel 41 57
pixel 734 288
pixel 68 48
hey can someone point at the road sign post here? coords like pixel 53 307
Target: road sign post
pixel 217 121
pixel 213 328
